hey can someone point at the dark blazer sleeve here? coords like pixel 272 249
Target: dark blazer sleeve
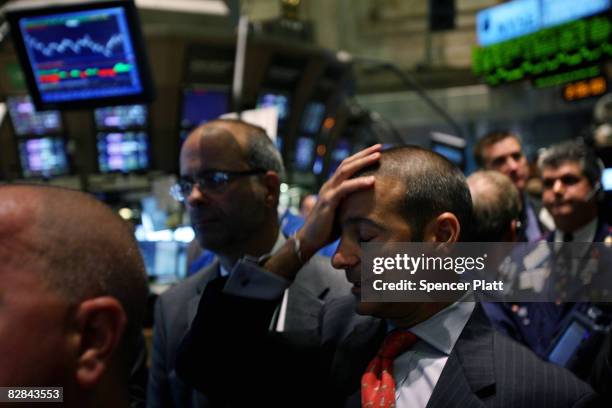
pixel 230 355
pixel 158 392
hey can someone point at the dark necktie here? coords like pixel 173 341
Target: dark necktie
pixel 377 384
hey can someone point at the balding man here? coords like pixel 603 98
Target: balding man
pixel 72 298
pixel 230 185
pixel 497 207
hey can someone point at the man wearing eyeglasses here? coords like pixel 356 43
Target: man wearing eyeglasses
pixel 230 175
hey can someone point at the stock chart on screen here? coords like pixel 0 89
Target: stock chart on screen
pixel 81 55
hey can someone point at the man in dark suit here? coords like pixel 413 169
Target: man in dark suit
pixel 502 151
pixel 455 359
pixel 230 184
pixel 571 182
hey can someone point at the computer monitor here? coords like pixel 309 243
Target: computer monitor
pixel 606 179
pixel 123 151
pixel 313 118
pixel 201 105
pixel 165 261
pixel 340 152
pixel 28 121
pixel 79 54
pixel 121 117
pixel 43 157
pixel 278 99
pixel 304 153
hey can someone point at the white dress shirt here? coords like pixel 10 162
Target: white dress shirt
pixel 417 371
pixel 584 234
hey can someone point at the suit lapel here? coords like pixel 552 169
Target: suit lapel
pixel 354 353
pixel 208 274
pixel 469 373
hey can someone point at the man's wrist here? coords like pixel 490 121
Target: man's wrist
pixel 307 250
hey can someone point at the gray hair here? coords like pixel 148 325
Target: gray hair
pixel 496 203
pixel 576 152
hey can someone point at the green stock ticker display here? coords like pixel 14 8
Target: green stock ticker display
pixel 566 47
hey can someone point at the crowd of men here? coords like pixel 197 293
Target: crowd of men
pixel 273 322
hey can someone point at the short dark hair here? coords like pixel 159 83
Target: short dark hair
pixel 433 185
pixel 488 140
pixel 496 203
pixel 573 151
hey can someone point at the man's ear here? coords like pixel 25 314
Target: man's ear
pixel 101 322
pixel 444 228
pixel 271 181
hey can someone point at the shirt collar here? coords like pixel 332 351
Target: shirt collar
pixel 442 330
pixel 583 234
pixel 280 241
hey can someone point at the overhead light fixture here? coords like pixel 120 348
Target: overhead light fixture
pixel 214 7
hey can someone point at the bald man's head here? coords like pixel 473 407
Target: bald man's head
pixel 76 247
pixel 497 205
pixel 250 142
pixel 88 249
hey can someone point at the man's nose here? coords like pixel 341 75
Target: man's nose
pixel 345 256
pixel 197 196
pixel 558 187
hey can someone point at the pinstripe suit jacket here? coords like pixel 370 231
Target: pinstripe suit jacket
pixel 485 369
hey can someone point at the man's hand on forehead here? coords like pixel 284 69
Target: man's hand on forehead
pixel 321 227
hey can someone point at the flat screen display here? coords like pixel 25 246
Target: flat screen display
pixel 84 52
pixel 123 151
pixel 28 121
pixel 339 153
pixel 304 153
pixel 280 100
pixel 203 105
pixel 121 117
pixel 43 157
pixel 313 117
pixel 606 179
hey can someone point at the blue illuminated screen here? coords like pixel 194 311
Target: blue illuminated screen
pixel 606 179
pixel 313 117
pixel 165 261
pixel 277 99
pixel 453 154
pixel 304 153
pixel 27 121
pixel 521 17
pixel 123 151
pixel 339 153
pixel 43 157
pixel 121 117
pixel 81 55
pixel 203 105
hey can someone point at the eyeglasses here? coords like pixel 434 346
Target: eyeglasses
pixel 211 180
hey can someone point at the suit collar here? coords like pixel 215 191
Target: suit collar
pixel 474 378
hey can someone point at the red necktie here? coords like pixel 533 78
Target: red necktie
pixel 377 385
